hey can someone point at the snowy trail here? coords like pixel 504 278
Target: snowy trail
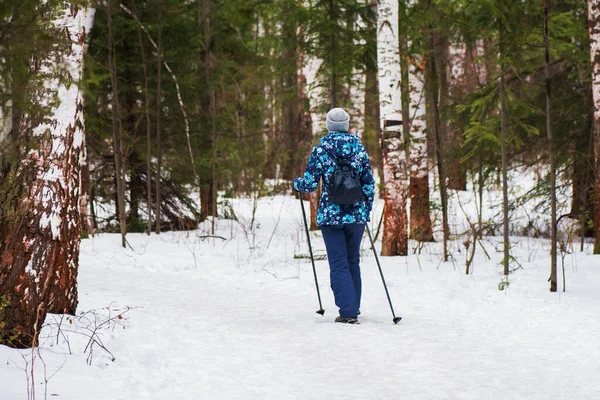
pixel 249 338
pixel 214 320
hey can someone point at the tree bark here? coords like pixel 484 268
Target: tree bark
pixel 395 171
pixel 39 245
pixel 594 29
pixel 414 126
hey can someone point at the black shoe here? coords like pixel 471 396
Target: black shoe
pixel 358 312
pixel 347 320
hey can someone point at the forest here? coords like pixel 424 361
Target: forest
pixel 132 117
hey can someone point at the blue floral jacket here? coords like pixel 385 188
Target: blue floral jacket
pixel 345 146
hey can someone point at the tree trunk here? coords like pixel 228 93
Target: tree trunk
pixel 270 132
pixel 415 126
pixel 332 60
pixel 213 135
pixel 503 140
pixel 303 128
pixel 86 229
pixel 136 191
pixel 148 135
pixel 116 125
pixel 594 29
pixel 372 130
pixel 39 249
pixel 432 89
pixel 395 173
pixel 205 200
pixel 208 187
pixel 290 99
pixel 581 178
pixel 159 62
pixel 551 152
pixel 464 78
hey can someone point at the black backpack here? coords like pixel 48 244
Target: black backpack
pixel 345 187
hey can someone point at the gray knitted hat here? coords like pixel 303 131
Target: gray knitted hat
pixel 338 120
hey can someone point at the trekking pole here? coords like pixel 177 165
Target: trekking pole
pixel 312 259
pixel 396 319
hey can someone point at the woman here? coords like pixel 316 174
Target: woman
pixel 342 225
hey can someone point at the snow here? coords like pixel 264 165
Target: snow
pixel 234 318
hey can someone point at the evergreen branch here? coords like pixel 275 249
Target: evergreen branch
pixel 181 105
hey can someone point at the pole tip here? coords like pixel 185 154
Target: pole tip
pixel 397 319
pixel 321 311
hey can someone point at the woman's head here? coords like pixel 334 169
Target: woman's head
pixel 337 120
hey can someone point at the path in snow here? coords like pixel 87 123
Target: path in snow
pixel 233 324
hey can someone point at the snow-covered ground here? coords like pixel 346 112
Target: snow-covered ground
pixel 192 317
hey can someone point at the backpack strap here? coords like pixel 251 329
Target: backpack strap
pixel 335 160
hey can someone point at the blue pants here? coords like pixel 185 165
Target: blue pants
pixel 343 252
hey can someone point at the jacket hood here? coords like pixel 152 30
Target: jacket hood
pixel 341 144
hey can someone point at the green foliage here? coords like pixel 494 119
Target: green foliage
pixel 341 34
pixel 512 34
pixel 29 41
pixel 247 60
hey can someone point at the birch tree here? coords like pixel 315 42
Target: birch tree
pixel 420 220
pixel 39 249
pixel 395 171
pixel 594 29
